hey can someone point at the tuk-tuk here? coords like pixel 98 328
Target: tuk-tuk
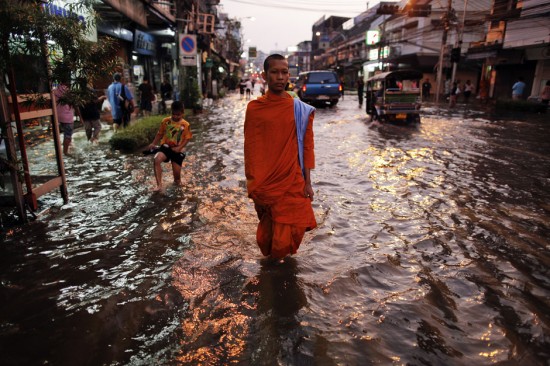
pixel 394 96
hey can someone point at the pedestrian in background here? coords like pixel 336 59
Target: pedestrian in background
pixel 242 86
pixel 146 97
pixel 360 90
pixel 518 88
pixel 248 87
pixel 426 88
pixel 90 114
pixel 545 95
pixel 468 90
pixel 483 90
pixel 278 157
pixel 165 94
pixel 65 116
pixel 455 92
pixel 121 100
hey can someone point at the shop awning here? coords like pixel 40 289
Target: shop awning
pixel 415 61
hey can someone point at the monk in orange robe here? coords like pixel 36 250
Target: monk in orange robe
pixel 278 153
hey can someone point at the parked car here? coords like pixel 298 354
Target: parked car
pixel 320 86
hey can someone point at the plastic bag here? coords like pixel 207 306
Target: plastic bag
pixel 106 106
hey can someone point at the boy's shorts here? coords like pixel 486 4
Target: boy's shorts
pixel 67 129
pixel 146 105
pixel 171 155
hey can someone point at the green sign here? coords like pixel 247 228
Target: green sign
pixel 209 63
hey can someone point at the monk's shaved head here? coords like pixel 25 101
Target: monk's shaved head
pixel 274 56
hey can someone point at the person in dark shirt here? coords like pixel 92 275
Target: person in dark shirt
pixel 165 94
pixel 89 114
pixel 147 95
pixel 360 89
pixel 426 88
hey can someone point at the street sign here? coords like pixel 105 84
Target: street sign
pixel 188 60
pixel 188 44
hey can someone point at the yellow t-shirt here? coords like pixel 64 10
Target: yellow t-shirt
pixel 174 132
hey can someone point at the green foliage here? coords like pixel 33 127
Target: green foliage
pixel 520 106
pixel 138 134
pixel 231 41
pixel 28 32
pixel 217 63
pixel 190 94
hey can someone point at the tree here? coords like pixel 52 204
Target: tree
pixel 234 40
pixel 29 31
pixel 190 93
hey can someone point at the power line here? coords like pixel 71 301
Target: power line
pixel 305 7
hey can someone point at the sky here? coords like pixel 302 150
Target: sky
pixel 279 24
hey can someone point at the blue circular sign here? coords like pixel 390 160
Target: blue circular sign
pixel 188 44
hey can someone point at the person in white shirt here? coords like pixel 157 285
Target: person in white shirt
pixel 468 90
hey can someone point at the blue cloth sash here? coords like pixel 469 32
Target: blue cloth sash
pixel 302 112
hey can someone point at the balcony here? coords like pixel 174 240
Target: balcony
pixel 165 7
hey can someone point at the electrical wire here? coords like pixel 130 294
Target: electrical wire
pixel 332 8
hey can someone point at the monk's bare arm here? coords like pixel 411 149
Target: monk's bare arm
pixel 308 190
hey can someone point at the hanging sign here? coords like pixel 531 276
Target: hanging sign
pixel 188 60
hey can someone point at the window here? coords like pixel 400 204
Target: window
pixel 322 77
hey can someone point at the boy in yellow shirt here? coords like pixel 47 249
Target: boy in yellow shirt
pixel 174 134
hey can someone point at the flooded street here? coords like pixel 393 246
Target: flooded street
pixel 432 249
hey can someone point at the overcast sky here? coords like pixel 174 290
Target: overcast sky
pixel 279 24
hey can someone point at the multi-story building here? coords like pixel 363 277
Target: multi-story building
pixel 516 44
pixel 496 41
pixel 324 31
pixel 299 58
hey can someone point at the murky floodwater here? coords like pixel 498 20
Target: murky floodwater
pixel 432 249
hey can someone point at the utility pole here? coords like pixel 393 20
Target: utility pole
pixel 459 42
pixel 446 24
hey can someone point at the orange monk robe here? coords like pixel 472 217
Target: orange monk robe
pixel 273 174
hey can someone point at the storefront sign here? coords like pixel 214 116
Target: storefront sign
pixel 373 54
pixel 62 8
pixel 373 37
pixel 144 43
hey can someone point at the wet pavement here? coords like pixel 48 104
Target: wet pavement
pixel 432 249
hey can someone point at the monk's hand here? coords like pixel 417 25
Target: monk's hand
pixel 308 191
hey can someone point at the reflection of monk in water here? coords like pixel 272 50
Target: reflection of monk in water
pixel 279 291
pixel 276 332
